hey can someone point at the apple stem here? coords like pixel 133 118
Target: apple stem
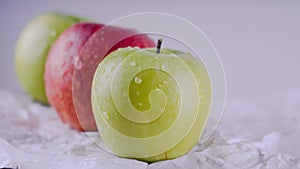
pixel 158 46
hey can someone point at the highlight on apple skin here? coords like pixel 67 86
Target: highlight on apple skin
pixel 32 49
pixel 69 72
pixel 151 105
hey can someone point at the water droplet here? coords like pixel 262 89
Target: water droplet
pixel 53 33
pixel 95 56
pixel 140 104
pixel 79 65
pixel 138 80
pixel 201 96
pixel 164 67
pixel 138 93
pixel 132 63
pixel 63 73
pixel 102 71
pixel 102 39
pixel 63 64
pixel 68 45
pixel 165 82
pixel 106 115
pixel 101 32
pixel 159 85
pixel 139 68
pixel 156 57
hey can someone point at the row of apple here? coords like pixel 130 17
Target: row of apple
pixel 47 52
pixel 147 103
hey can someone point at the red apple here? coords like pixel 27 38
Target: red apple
pixel 70 68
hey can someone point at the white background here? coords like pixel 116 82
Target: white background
pixel 258 42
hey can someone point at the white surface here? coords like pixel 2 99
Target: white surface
pixel 249 137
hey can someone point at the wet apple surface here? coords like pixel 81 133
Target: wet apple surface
pixel 150 106
pixel 101 43
pixel 59 72
pixel 66 66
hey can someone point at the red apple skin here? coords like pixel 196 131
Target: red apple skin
pixel 70 68
pixel 60 68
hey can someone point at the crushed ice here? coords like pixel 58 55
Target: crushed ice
pixel 252 135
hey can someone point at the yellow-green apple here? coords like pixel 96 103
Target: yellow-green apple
pixel 65 63
pixel 32 49
pixel 150 104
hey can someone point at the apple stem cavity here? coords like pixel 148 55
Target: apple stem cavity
pixel 158 46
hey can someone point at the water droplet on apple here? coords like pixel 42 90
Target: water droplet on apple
pixel 132 63
pixel 101 32
pixel 138 80
pixel 102 71
pixel 159 85
pixel 164 67
pixel 102 39
pixel 140 104
pixel 68 45
pixel 165 82
pixel 138 93
pixel 63 73
pixel 106 115
pixel 79 65
pixel 63 64
pixel 95 56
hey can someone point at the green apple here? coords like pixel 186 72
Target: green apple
pixel 151 105
pixel 32 49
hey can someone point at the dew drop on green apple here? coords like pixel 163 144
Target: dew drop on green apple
pixel 132 63
pixel 138 80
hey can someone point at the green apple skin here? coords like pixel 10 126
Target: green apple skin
pixel 32 49
pixel 151 106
